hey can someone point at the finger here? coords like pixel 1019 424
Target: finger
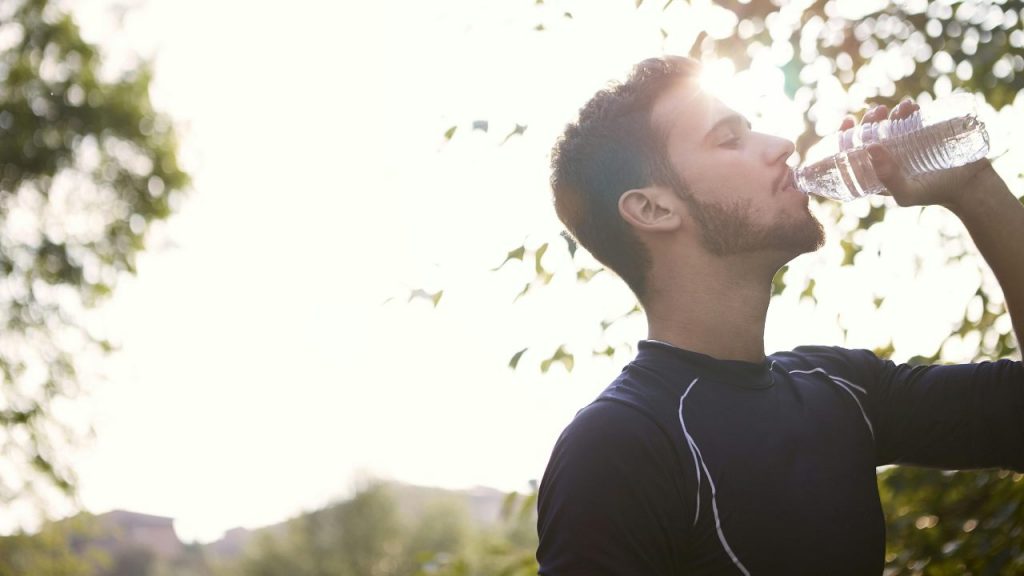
pixel 886 169
pixel 847 123
pixel 904 109
pixel 876 114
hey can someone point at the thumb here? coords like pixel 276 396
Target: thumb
pixel 886 168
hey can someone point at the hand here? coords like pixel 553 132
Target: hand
pixel 946 188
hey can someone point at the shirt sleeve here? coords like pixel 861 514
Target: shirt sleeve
pixel 946 416
pixel 610 500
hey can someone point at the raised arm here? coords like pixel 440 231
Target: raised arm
pixel 981 199
pixel 995 220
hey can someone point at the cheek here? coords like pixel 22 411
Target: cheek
pixel 726 185
pixel 724 176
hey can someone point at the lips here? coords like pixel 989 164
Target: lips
pixel 786 180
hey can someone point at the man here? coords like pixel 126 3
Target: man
pixel 705 456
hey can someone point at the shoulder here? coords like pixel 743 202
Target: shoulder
pixel 610 445
pixel 611 500
pixel 611 425
pixel 834 360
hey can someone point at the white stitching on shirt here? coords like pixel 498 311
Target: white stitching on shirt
pixel 689 442
pixel 844 385
pixel 695 450
pixel 836 378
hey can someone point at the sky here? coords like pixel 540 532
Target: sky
pixel 262 370
pixel 269 360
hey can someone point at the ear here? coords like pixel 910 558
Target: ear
pixel 652 209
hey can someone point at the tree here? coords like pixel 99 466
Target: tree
pixel 86 167
pixel 132 560
pixel 360 536
pixel 508 548
pixel 379 531
pixel 365 532
pixel 55 549
pixel 953 522
pixel 857 54
pixel 440 533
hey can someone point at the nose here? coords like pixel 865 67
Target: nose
pixel 778 150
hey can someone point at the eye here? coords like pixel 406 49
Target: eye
pixel 731 140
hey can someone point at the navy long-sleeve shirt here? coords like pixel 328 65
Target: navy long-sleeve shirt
pixel 690 465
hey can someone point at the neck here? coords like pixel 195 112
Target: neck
pixel 720 312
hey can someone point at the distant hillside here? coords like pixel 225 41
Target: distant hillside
pixel 483 505
pixel 398 528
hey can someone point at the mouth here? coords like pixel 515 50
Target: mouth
pixel 786 181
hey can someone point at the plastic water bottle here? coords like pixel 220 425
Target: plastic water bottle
pixel 942 134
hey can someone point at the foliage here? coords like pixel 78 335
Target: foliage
pixel 52 550
pixel 130 561
pixel 86 166
pixel 954 523
pixel 379 531
pixel 506 550
pixel 367 535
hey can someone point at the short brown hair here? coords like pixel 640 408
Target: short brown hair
pixel 613 148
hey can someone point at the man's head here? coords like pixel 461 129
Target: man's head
pixel 657 154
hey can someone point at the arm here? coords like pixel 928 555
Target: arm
pixel 980 199
pixel 965 416
pixel 953 417
pixel 995 220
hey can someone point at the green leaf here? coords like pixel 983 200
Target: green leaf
pixel 585 274
pixel 538 268
pixel 433 297
pixel 450 132
pixel 875 215
pixel 514 362
pixel 808 291
pixel 608 322
pixel 522 292
pixel 520 128
pixel 566 359
pixel 516 254
pixel 850 250
pixel 778 284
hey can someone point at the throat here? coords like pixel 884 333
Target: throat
pixel 728 325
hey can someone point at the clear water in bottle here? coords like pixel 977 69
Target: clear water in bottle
pixel 946 135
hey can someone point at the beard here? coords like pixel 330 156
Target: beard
pixel 729 230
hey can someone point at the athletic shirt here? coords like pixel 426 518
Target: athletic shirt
pixel 687 464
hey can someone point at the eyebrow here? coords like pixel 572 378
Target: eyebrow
pixel 732 119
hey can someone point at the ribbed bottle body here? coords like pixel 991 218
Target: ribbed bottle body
pixel 918 145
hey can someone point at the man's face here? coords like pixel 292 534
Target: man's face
pixel 737 184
